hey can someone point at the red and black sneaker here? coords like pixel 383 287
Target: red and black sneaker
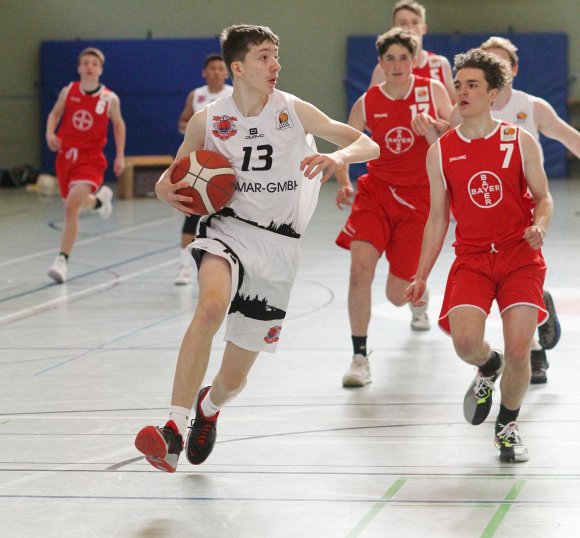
pixel 202 433
pixel 161 446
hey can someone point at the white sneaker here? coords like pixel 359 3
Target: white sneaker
pixel 184 276
pixel 57 271
pixel 359 373
pixel 420 322
pixel 105 195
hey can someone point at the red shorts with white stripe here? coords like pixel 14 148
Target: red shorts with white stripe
pixel 393 219
pixel 512 277
pixel 80 166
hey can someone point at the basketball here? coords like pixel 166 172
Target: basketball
pixel 211 178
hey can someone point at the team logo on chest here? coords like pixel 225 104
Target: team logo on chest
pixel 421 94
pixel 399 140
pixel 224 126
pixel 82 120
pixel 485 189
pixel 283 119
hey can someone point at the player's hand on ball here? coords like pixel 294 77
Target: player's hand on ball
pixel 166 191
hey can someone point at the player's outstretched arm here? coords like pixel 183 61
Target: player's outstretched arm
pixel 355 146
pixel 551 125
pixel 119 134
pixel 194 139
pixel 538 185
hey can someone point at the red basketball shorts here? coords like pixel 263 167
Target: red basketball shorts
pixel 511 277
pixel 79 166
pixel 392 219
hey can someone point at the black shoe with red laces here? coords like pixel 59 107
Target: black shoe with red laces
pixel 202 433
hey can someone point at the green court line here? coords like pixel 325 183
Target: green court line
pixel 377 507
pixel 502 511
pixel 4 421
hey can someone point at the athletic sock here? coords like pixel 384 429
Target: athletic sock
pixel 185 257
pixel 420 310
pixel 208 408
pixel 359 345
pixel 492 365
pixel 180 415
pixel 506 415
pixel 64 255
pixel 98 203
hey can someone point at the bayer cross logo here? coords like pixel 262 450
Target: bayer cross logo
pixel 82 120
pixel 485 189
pixel 399 140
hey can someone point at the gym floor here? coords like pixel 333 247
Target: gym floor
pixel 86 364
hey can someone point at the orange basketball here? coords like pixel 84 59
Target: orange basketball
pixel 211 178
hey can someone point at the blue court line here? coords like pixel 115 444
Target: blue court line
pixel 162 320
pixel 83 275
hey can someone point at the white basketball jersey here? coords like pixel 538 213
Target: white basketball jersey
pixel 519 110
pixel 203 97
pixel 266 151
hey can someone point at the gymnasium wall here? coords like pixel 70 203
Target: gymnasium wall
pixel 313 39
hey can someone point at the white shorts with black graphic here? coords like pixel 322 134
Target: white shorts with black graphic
pixel 264 266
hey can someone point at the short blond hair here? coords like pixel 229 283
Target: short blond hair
pixel 409 5
pixel 496 42
pixel 92 51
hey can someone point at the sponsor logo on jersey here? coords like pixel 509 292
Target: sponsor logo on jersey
pixel 421 94
pixel 271 187
pixel 224 126
pixel 434 61
pixel 508 134
pixel 273 334
pixel 399 139
pixel 521 116
pixel 381 115
pixel 75 99
pixel 283 119
pixel 458 158
pixel 201 99
pixel 485 189
pixel 82 120
pixel 254 133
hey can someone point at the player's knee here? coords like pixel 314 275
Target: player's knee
pixel 395 297
pixel 466 345
pixel 517 353
pixel 211 310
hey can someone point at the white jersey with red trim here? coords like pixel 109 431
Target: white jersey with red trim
pixel 265 152
pixel 519 110
pixel 203 97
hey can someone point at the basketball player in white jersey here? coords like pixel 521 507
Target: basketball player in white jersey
pixel 247 254
pixel 215 74
pixel 536 116
pixel 411 15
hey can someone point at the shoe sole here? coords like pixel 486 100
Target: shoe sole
pixel 511 457
pixel 538 380
pixel 549 333
pixel 153 446
pixel 351 383
pixel 57 277
pixel 420 329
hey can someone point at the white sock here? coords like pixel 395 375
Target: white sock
pixel 185 257
pixel 208 408
pixel 180 415
pixel 419 310
pixel 536 345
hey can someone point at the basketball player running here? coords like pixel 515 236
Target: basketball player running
pixel 83 109
pixel 412 16
pixel 215 74
pixel 536 116
pixel 392 203
pixel 484 171
pixel 248 254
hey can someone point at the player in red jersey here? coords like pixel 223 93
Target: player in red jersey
pixel 490 175
pixel 83 110
pixel 392 203
pixel 411 16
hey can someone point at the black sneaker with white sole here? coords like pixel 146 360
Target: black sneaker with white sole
pixel 202 433
pixel 510 444
pixel 478 398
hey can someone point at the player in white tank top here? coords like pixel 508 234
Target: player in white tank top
pixel 248 266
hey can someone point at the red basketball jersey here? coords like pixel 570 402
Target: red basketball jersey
pixel 432 68
pixel 487 188
pixel 402 158
pixel 85 118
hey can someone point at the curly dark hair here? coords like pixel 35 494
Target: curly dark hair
pixel 495 70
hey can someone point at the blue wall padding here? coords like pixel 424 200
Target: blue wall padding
pixel 543 59
pixel 152 78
